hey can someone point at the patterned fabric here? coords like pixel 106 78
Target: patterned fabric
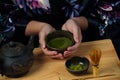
pixel 107 13
pixel 72 7
pixel 16 16
pixel 5 16
pixel 7 27
pixel 36 6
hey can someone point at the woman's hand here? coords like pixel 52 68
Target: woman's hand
pixel 72 26
pixel 43 32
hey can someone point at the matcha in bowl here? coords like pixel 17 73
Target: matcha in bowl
pixel 59 40
pixel 77 65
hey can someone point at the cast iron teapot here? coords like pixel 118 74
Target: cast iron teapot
pixel 16 58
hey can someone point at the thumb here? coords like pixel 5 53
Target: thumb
pixel 42 40
pixel 77 37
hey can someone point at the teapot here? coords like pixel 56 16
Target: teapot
pixel 16 58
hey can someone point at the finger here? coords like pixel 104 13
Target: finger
pixel 67 54
pixel 42 39
pixel 64 28
pixel 48 52
pixel 74 47
pixel 77 35
pixel 58 56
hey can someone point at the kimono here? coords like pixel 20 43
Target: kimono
pixel 103 23
pixel 17 14
pixel 107 15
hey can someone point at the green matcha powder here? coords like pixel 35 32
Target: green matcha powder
pixel 60 43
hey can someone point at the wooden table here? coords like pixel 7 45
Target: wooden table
pixel 45 68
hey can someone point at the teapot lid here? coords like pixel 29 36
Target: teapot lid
pixel 12 49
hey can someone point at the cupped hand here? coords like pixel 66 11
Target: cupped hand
pixel 71 25
pixel 46 29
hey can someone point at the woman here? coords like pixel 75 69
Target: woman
pixel 40 17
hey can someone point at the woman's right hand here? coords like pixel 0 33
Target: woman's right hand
pixel 43 32
pixel 42 29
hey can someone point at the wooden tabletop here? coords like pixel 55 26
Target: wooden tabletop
pixel 45 68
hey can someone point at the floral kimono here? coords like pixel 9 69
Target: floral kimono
pixel 17 13
pixel 103 16
pixel 107 14
pixel 54 12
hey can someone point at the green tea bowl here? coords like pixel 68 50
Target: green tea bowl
pixel 59 40
pixel 77 65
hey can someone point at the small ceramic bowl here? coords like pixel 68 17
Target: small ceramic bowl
pixel 77 65
pixel 59 40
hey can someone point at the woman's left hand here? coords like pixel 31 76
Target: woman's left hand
pixel 71 26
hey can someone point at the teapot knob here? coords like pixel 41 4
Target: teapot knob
pixel 12 44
